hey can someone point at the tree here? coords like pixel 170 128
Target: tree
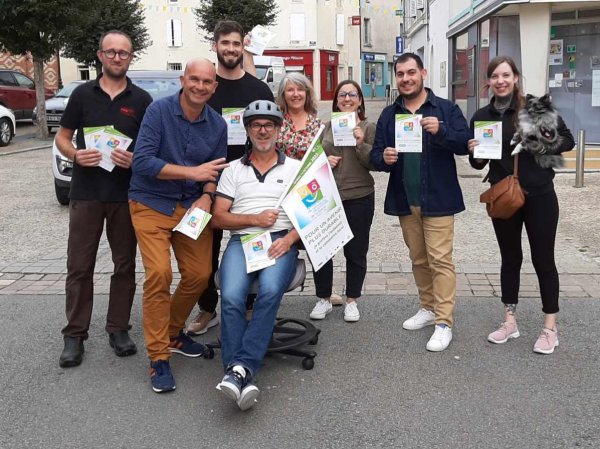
pixel 105 15
pixel 248 13
pixel 38 27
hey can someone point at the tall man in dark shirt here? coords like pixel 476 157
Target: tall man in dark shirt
pixel 98 195
pixel 178 156
pixel 236 89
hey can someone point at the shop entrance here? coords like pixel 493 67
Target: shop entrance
pixel 575 77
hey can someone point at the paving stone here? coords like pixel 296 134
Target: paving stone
pixel 12 276
pixel 387 267
pixel 32 277
pixel 479 282
pixel 5 282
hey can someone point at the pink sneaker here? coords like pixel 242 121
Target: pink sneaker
pixel 504 333
pixel 546 342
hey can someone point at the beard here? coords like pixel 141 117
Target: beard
pixel 418 89
pixel 229 64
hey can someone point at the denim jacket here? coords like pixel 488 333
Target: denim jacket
pixel 440 191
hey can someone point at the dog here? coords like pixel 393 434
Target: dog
pixel 537 132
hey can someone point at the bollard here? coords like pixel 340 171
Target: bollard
pixel 580 159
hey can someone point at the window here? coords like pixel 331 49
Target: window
pixel 6 79
pixel 174 33
pixel 23 81
pixel 350 74
pixel 174 66
pixel 367 32
pixel 84 72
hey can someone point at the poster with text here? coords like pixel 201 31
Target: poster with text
pixel 314 206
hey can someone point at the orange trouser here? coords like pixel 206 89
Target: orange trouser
pixel 430 241
pixel 165 314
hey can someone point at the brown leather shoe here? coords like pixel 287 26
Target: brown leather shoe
pixel 202 323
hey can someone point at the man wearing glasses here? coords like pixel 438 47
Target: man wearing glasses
pixel 246 200
pixel 98 195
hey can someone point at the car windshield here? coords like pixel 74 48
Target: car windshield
pixel 158 88
pixel 261 72
pixel 66 91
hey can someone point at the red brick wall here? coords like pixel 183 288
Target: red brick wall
pixel 24 64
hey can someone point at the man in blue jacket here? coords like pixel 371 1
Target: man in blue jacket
pixel 423 191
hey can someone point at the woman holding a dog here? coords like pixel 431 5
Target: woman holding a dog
pixel 539 214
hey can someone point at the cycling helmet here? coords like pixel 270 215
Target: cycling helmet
pixel 263 109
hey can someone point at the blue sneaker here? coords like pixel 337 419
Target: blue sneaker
pixel 237 385
pixel 248 397
pixel 161 377
pixel 184 345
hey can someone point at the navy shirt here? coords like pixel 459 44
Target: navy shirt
pixel 168 137
pixel 440 193
pixel 89 106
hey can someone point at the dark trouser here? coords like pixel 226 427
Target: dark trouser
pixel 540 216
pixel 360 213
pixel 86 222
pixel 209 299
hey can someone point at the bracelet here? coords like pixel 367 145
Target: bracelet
pixel 210 194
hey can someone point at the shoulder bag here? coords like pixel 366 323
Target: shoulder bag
pixel 506 197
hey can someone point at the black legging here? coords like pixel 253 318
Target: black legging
pixel 540 215
pixel 359 213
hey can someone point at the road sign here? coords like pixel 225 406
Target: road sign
pixel 399 45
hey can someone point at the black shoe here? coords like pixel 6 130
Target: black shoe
pixel 122 343
pixel 72 354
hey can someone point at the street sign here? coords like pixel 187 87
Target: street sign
pixel 399 12
pixel 356 20
pixel 399 45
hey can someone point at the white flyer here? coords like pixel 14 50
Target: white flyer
pixel 110 140
pixel 259 39
pixel 236 133
pixel 489 136
pixel 409 133
pixel 342 127
pixel 256 247
pixel 193 223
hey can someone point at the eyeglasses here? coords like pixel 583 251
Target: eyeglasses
pixel 267 126
pixel 352 94
pixel 110 54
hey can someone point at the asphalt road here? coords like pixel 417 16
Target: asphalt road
pixel 373 385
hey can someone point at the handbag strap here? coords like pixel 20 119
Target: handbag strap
pixel 515 169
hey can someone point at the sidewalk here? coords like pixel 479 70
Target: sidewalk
pixel 389 269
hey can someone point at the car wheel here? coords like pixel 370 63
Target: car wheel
pixel 62 194
pixel 6 132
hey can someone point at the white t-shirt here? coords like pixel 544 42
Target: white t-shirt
pixel 252 193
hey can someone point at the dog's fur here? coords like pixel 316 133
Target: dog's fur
pixel 537 132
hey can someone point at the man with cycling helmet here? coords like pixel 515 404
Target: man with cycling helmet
pixel 246 200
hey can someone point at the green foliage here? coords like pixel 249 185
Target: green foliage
pixel 247 13
pixel 37 26
pixel 105 15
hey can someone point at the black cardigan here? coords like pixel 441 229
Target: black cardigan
pixel 534 179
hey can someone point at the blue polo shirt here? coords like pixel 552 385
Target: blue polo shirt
pixel 167 137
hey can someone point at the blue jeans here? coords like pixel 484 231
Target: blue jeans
pixel 242 342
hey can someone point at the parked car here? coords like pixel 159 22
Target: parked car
pixel 7 126
pixel 55 106
pixel 158 83
pixel 17 93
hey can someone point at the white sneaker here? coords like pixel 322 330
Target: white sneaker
pixel 441 338
pixel 351 313
pixel 421 319
pixel 321 309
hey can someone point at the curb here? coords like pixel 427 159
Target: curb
pixel 25 150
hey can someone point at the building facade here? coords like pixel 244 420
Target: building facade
pixel 556 45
